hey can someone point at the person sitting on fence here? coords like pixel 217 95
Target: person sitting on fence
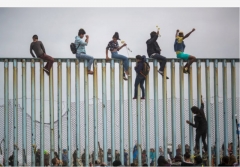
pixel 187 161
pixel 114 48
pixel 142 69
pixel 154 51
pixel 179 47
pixel 39 50
pixel 200 125
pixel 81 52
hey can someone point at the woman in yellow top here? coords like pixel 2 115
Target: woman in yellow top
pixel 179 47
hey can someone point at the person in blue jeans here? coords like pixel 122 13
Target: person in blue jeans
pixel 114 48
pixel 81 52
pixel 154 51
pixel 139 78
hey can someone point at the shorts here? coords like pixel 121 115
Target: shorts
pixel 183 56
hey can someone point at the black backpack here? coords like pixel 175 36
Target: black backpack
pixel 74 48
pixel 146 67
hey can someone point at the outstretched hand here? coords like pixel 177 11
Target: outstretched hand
pixel 177 30
pixel 188 122
pixel 193 29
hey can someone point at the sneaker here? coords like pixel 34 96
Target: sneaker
pixel 161 73
pixel 185 70
pixel 125 78
pixel 134 97
pixel 90 72
pixel 46 70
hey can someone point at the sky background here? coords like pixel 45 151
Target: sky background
pixel 216 36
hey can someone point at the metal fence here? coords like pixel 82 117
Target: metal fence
pixel 116 124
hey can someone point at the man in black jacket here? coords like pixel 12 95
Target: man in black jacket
pixel 200 125
pixel 154 51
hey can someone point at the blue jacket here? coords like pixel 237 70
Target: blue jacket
pixel 135 152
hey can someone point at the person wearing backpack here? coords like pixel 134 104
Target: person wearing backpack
pixel 142 70
pixel 80 49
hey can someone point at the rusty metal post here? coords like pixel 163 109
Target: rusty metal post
pixel 182 111
pixel 216 103
pixel 147 118
pixel 77 99
pixel 130 119
pixel 41 113
pixel 104 110
pixel 113 109
pixel 15 111
pixel 208 108
pixel 24 114
pixel 60 108
pixel 86 113
pixel 225 107
pixel 69 127
pixel 121 110
pixel 51 112
pixel 173 107
pixel 95 110
pixel 6 111
pixel 199 93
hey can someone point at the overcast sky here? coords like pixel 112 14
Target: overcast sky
pixel 216 36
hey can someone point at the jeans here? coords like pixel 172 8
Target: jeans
pixel 204 135
pixel 49 59
pixel 83 56
pixel 139 80
pixel 115 55
pixel 163 61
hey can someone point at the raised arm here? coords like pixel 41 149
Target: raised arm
pixel 31 51
pixel 187 35
pixel 87 39
pixel 153 39
pixel 177 33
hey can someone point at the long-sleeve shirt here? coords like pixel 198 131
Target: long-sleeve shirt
pixel 139 67
pixel 200 120
pixel 38 48
pixel 152 45
pixel 80 44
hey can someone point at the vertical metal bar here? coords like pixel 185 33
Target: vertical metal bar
pixel 113 109
pixel 41 112
pixel 147 118
pixel 130 119
pixel 59 108
pixel 33 112
pixel 24 114
pixel 77 96
pixel 51 112
pixel 164 95
pixel 104 110
pixel 15 111
pixel 199 93
pixel 69 128
pixel 156 119
pixel 182 112
pixel 190 104
pixel 225 108
pixel 216 103
pixel 6 112
pixel 208 108
pixel 86 112
pixel 95 104
pixel 173 107
pixel 139 139
pixel 121 110
pixel 233 79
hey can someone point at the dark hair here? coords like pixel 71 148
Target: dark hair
pixel 178 158
pixel 225 160
pixel 35 36
pixel 117 163
pixel 153 33
pixel 187 155
pixel 139 57
pixel 54 160
pixel 145 164
pixel 133 164
pixel 198 159
pixel 162 161
pixel 116 35
pixel 195 109
pixel 81 31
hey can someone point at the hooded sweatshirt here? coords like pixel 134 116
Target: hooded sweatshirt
pixel 200 121
pixel 152 45
pixel 80 44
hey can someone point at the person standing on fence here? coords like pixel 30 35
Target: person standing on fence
pixel 40 52
pixel 81 52
pixel 200 125
pixel 142 69
pixel 154 51
pixel 114 48
pixel 179 47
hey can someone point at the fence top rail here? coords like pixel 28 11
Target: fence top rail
pixel 3 59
